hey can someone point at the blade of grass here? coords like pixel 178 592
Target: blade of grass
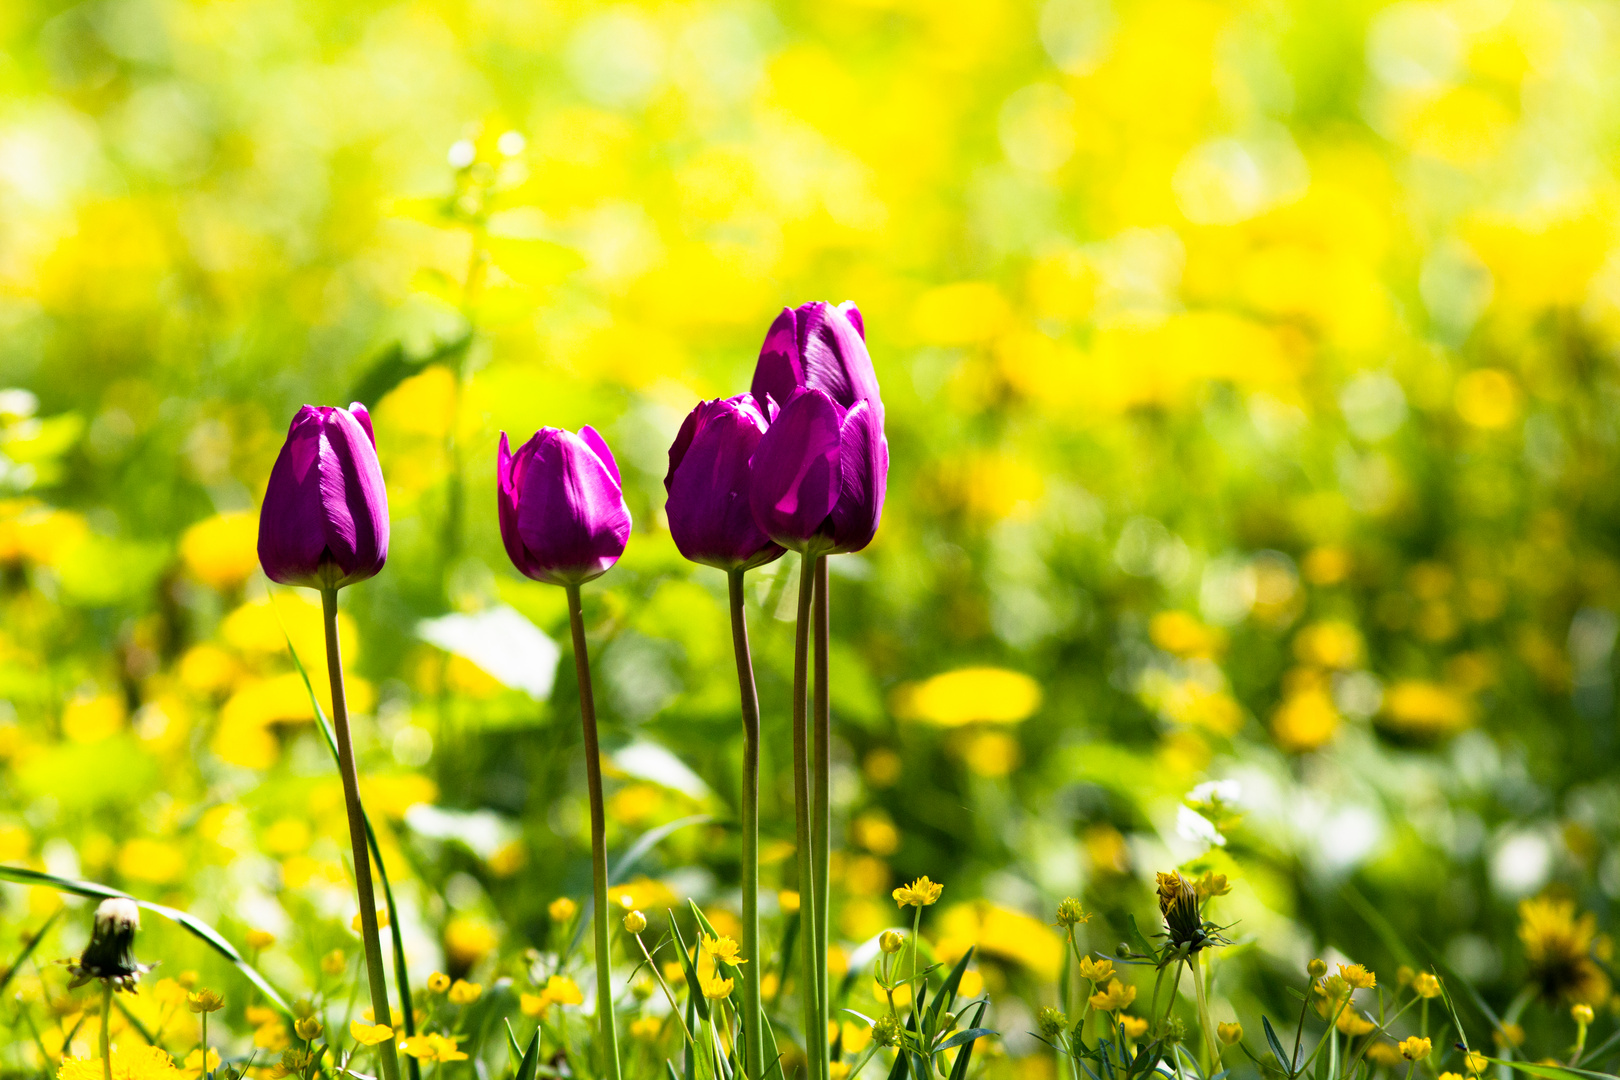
pixel 24 876
pixel 28 950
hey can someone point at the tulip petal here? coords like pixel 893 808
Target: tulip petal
pixel 796 477
pixel 834 357
pixel 864 479
pixel 324 522
pixel 779 371
pixel 683 440
pixel 364 417
pixel 853 314
pixel 600 447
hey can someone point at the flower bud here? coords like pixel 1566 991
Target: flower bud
pixel 561 506
pixel 635 922
pixel 110 956
pixel 1051 1021
pixel 709 479
pixel 1582 1013
pixel 324 523
pixel 1069 913
pixel 308 1028
pixel 1316 968
pixel 891 941
pixel 1229 1033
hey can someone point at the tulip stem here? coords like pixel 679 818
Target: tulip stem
pixel 815 1043
pixel 599 871
pixel 753 1011
pixel 375 974
pixel 822 824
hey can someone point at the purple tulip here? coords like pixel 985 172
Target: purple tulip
pixel 708 482
pixel 562 510
pixel 820 474
pixel 324 523
pixel 820 347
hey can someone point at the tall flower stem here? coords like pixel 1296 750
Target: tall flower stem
pixel 599 872
pixel 815 1043
pixel 752 1011
pixel 1195 963
pixel 106 1033
pixel 821 825
pixel 375 975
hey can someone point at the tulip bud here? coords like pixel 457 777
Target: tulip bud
pixel 891 941
pixel 635 922
pixel 708 482
pixel 110 956
pixel 324 523
pixel 820 347
pixel 562 512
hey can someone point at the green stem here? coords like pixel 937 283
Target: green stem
pixel 810 991
pixel 106 1032
pixel 821 824
pixel 1195 963
pixel 669 995
pixel 599 870
pixel 376 976
pixel 753 1009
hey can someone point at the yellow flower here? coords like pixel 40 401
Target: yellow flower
pixel 334 962
pixel 562 909
pixel 646 1028
pixel 1425 985
pixel 1509 1035
pixel 1097 971
pixel 1581 1013
pixel 838 1070
pixel 195 1065
pixel 382 921
pixel 1384 1052
pixel 1229 1033
pixel 1354 1024
pixel 260 939
pixel 1476 1063
pixel 136 1063
pixel 717 988
pixel 1415 1048
pixel 433 1047
pixel 272 1036
pixel 723 949
pixel 1133 1027
pixel 919 893
pixel 635 922
pixel 308 1027
pixel 891 941
pixel 260 1015
pixel 204 1001
pixel 559 990
pixel 1211 884
pixel 438 982
pixel 1451 1076
pixel 464 993
pixel 1558 948
pixel 1114 997
pixel 534 1005
pixel 1358 976
pixel 370 1034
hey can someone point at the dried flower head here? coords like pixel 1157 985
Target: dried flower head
pixel 110 956
pixel 1184 924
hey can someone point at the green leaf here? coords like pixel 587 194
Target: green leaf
pixel 1551 1072
pixel 947 992
pixel 24 876
pixel 960 1066
pixel 694 988
pixel 394 365
pixel 1283 1061
pixel 964 1037
pixel 533 262
pixel 531 1059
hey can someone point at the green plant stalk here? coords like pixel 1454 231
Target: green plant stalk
pixel 599 868
pixel 810 990
pixel 1195 963
pixel 821 824
pixel 375 973
pixel 106 1030
pixel 753 1010
pixel 669 995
